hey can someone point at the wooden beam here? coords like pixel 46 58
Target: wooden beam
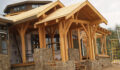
pixel 53 49
pixel 105 44
pixel 42 36
pixel 101 17
pixel 71 39
pixel 85 29
pixel 66 46
pixel 76 10
pixel 80 21
pixel 91 46
pixel 23 47
pixel 79 42
pixel 102 45
pixel 23 64
pixel 95 45
pixel 22 30
pixel 62 46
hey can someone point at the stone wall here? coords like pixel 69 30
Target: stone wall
pixel 97 64
pixel 42 56
pixel 92 65
pixel 4 62
pixel 31 67
pixel 44 61
pixel 104 61
pixel 74 54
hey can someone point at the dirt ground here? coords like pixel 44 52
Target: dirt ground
pixel 113 67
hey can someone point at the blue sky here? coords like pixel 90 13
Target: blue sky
pixel 108 8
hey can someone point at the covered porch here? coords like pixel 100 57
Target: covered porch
pixel 62 28
pixel 78 27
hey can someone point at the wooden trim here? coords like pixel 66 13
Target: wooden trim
pixel 23 64
pixel 103 56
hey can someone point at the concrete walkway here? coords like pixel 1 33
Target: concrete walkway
pixel 113 67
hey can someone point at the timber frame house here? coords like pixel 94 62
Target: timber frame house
pixel 81 20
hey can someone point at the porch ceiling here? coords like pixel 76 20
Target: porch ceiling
pixel 84 9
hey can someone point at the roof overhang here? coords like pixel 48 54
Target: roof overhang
pixel 4 20
pixel 34 13
pixel 68 12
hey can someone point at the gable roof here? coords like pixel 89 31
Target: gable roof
pixel 69 11
pixel 34 13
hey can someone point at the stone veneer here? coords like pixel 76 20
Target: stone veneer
pixel 97 64
pixel 44 61
pixel 30 67
pixel 104 61
pixel 73 54
pixel 4 62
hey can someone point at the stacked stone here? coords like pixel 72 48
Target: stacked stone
pixel 70 65
pixel 104 61
pixel 4 62
pixel 31 67
pixel 93 65
pixel 74 54
pixel 41 57
pixel 97 64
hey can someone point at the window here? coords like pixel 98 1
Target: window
pixel 4 47
pixel 3 39
pixel 35 5
pixel 16 9
pixel 34 41
pixel 19 8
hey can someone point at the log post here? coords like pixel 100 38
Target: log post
pixel 52 43
pixel 102 45
pixel 42 36
pixel 71 39
pixel 22 35
pixel 62 42
pixel 22 30
pixel 91 45
pixel 105 44
pixel 95 45
pixel 66 46
pixel 79 42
